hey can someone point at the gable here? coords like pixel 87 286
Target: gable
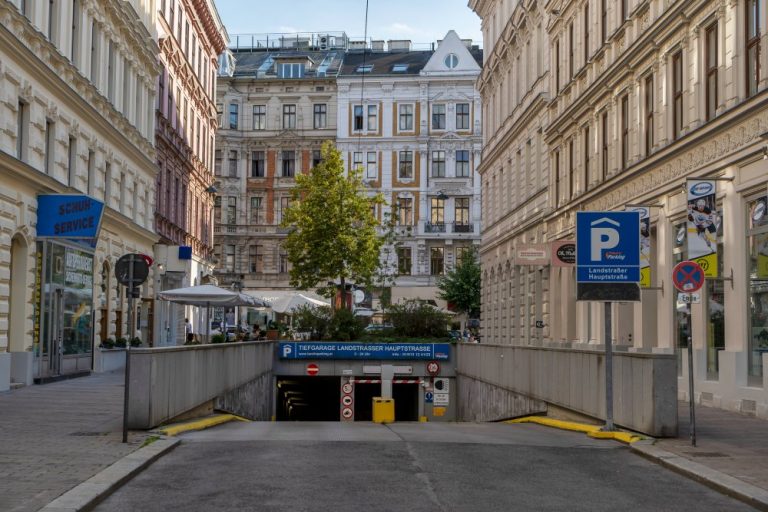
pixel 451 57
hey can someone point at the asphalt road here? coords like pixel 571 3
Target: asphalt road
pixel 418 467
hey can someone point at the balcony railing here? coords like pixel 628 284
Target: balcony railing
pixel 244 229
pixel 437 227
pixel 461 227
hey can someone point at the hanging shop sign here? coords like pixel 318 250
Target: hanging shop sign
pixel 73 216
pixel 532 254
pixel 703 223
pixel 564 253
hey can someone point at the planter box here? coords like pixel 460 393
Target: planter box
pixel 109 359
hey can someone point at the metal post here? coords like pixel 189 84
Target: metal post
pixel 131 334
pixel 608 371
pixel 690 381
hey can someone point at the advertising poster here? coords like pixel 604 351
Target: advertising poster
pixel 645 244
pixel 564 253
pixel 703 223
pixel 759 218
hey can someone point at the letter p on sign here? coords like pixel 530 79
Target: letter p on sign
pixel 287 350
pixel 602 239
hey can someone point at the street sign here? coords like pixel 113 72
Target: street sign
pixel 689 298
pixel 433 368
pixel 688 276
pixel 123 270
pixel 429 396
pixel 441 399
pixel 346 388
pixel 346 400
pixel 347 413
pixel 608 256
pixel 312 369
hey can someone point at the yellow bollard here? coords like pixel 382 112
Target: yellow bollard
pixel 383 410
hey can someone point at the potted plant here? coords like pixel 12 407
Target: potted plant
pixel 121 342
pixel 135 342
pixel 217 338
pixel 107 344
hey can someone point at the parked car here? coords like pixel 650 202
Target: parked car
pixel 454 335
pixel 377 327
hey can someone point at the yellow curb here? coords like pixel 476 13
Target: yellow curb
pixel 201 424
pixel 591 430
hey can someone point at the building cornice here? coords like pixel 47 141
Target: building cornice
pixel 213 28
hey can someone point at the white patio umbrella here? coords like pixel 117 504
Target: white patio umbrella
pixel 208 295
pixel 291 303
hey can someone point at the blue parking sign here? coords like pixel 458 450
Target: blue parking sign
pixel 608 247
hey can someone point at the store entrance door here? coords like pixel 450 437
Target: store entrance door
pixel 55 341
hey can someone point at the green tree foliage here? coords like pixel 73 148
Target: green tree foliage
pixel 461 286
pixel 416 319
pixel 315 320
pixel 333 232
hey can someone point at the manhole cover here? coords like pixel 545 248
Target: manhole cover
pixel 706 454
pixel 88 434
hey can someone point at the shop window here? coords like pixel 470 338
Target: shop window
pixel 757 246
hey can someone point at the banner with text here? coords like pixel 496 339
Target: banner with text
pixel 383 351
pixel 703 224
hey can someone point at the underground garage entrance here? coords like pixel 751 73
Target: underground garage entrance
pixel 326 398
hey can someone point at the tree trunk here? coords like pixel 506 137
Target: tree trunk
pixel 343 294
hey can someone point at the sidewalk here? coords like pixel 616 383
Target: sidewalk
pixel 56 436
pixel 731 443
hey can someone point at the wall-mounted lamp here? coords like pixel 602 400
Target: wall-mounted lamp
pixel 211 189
pixel 765 152
pixel 442 195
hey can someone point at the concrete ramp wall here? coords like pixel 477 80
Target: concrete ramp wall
pixel 169 381
pixel 645 385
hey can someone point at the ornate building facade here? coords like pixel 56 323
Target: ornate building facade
pixel 77 86
pixel 191 37
pixel 640 96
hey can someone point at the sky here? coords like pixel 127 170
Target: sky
pixel 421 21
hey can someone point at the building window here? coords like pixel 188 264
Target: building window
pixel 291 70
pixel 451 61
pixel 50 139
pixel 282 261
pixel 372 118
pixel 289 117
pixel 231 212
pixel 436 261
pixel 95 54
pixel 229 258
pixel 405 114
pixel 462 163
pixel 317 157
pixel 22 130
pixel 437 211
pixel 75 47
pixel 624 131
pixel 404 261
pixel 255 260
pixel 461 211
pixel 438 164
pixel 677 94
pixel 571 69
pixel 320 115
pixel 364 69
pixel 289 164
pixel 358 115
pixel 357 160
pixel 604 148
pixel 259 117
pixel 586 32
pixel 558 196
pixel 603 21
pixel 282 204
pixel 371 169
pixel 711 70
pixel 648 115
pixel 757 243
pixel 753 33
pixel 72 161
pixel 438 117
pixel 587 152
pixel 557 65
pixel 257 164
pixel 111 73
pixel 405 165
pixel 624 11
pixel 217 163
pixel 233 113
pixel 256 211
pixel 233 164
pixel 405 211
pixel 571 180
pixel 462 116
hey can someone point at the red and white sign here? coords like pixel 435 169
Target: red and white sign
pixel 688 276
pixel 312 369
pixel 347 413
pixel 346 388
pixel 346 400
pixel 433 368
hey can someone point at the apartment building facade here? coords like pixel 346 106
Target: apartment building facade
pixel 77 81
pixel 277 101
pixel 644 96
pixel 191 37
pixel 411 120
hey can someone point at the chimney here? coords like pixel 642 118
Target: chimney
pixel 357 45
pixel 467 43
pixel 399 45
pixel 377 46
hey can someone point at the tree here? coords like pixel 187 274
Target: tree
pixel 461 286
pixel 333 231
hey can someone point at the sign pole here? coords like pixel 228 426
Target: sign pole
pixel 608 371
pixel 690 380
pixel 131 334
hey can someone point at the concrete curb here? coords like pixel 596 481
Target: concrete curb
pixel 97 488
pixel 198 424
pixel 593 431
pixel 726 484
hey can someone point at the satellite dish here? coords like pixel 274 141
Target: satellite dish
pixel 359 296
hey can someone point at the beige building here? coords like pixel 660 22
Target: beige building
pixel 637 97
pixel 77 86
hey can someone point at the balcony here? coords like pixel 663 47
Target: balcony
pixel 244 229
pixel 463 227
pixel 438 227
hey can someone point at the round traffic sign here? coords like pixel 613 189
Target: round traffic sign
pixel 346 413
pixel 346 388
pixel 346 400
pixel 433 367
pixel 688 276
pixel 312 369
